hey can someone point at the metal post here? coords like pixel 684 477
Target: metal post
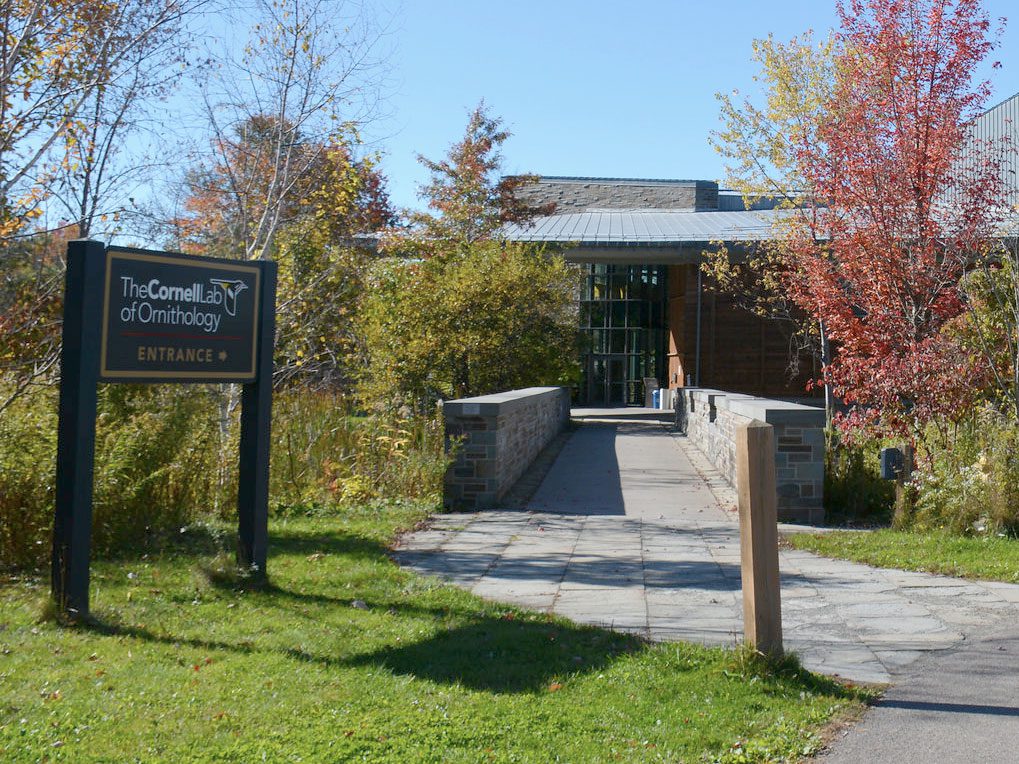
pixel 256 418
pixel 79 373
pixel 697 340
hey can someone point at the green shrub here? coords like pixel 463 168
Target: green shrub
pixel 493 317
pixel 157 463
pixel 155 468
pixel 853 488
pixel 28 437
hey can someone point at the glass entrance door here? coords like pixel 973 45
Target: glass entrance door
pixel 623 321
pixel 607 380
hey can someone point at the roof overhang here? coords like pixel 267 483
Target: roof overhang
pixel 689 253
pixel 645 236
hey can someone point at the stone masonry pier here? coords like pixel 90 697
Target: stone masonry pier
pixel 500 435
pixel 712 418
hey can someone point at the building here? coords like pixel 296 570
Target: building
pixel 645 310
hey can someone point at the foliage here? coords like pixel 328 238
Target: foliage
pixel 968 480
pixel 319 286
pixel 330 197
pixel 365 661
pixel 31 306
pixel 469 202
pixel 163 461
pixel 283 121
pixel 63 61
pixel 989 557
pixel 760 144
pixel 146 59
pixel 890 217
pixel 235 203
pixel 988 329
pixel 323 454
pixel 854 491
pixel 454 312
pixel 27 458
pixel 901 219
pixel 155 466
pixel 490 319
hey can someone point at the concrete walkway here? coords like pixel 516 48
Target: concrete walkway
pixel 634 530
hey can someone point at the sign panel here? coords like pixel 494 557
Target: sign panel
pixel 137 316
pixel 178 318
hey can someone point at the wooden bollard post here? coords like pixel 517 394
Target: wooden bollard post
pixel 758 532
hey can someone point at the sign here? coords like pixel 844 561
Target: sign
pixel 136 316
pixel 177 318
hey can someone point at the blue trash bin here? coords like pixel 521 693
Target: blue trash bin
pixel 656 399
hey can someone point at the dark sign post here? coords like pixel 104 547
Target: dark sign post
pixel 76 431
pixel 136 316
pixel 256 407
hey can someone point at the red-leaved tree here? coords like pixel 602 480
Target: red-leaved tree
pixel 902 214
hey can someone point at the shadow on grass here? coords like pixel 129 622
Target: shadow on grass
pixel 483 648
pixel 207 540
pixel 480 647
pixel 503 655
pixel 288 541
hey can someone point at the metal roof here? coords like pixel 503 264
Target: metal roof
pixel 647 227
pixel 995 132
pixel 623 181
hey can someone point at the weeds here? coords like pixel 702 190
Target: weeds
pixel 968 480
pixel 166 457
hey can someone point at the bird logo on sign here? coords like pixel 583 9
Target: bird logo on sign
pixel 231 288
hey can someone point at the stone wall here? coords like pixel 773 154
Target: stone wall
pixel 712 417
pixel 579 194
pixel 500 436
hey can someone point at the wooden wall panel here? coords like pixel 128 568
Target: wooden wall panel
pixel 739 351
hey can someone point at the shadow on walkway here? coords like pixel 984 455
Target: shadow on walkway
pixel 585 478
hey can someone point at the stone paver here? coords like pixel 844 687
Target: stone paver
pixel 632 529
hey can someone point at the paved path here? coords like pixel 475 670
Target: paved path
pixel 961 705
pixel 633 529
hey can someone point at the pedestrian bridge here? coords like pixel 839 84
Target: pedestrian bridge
pixel 633 528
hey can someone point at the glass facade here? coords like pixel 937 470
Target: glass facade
pixel 623 319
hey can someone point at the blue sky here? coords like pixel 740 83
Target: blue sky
pixel 590 88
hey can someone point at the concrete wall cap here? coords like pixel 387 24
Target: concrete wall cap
pixel 753 407
pixel 497 403
pixel 777 412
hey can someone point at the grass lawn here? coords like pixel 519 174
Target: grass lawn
pixel 988 557
pixel 345 657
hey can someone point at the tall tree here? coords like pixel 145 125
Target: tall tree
pixel 226 199
pixel 463 313
pixel 466 197
pixel 103 166
pixel 761 146
pixel 320 268
pixel 902 219
pixel 296 96
pixel 890 216
pixel 61 61
pixel 72 74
